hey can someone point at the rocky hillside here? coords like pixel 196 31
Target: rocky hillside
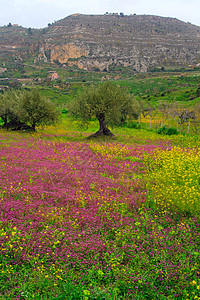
pixel 106 42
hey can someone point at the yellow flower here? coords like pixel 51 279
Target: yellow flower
pixel 86 292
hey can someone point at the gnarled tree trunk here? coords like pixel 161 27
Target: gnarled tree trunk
pixel 103 129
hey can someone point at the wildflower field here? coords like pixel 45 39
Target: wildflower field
pixel 109 219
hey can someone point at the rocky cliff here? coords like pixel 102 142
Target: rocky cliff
pixel 104 42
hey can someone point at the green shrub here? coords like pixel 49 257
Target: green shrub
pixel 167 130
pixel 171 131
pixel 134 125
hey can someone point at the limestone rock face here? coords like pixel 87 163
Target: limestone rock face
pixel 101 42
pixel 41 54
pixel 63 53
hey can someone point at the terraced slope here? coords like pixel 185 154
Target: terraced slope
pixel 103 42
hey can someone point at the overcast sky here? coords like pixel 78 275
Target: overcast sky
pixel 38 13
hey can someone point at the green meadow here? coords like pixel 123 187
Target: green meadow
pixel 110 218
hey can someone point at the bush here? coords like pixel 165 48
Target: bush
pixel 167 130
pixel 134 125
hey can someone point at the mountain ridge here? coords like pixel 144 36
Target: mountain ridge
pixel 106 42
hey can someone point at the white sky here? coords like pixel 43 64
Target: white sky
pixel 38 13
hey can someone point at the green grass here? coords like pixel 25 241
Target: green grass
pixel 167 89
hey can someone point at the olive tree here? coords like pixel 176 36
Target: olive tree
pixel 37 110
pixel 26 109
pixel 10 107
pixel 108 102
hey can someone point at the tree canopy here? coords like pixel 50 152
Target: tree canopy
pixel 108 102
pixel 37 110
pixel 23 109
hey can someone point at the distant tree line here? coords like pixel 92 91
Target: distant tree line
pixel 21 110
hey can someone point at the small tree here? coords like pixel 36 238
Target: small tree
pixel 108 102
pixel 9 108
pixel 30 31
pixel 37 110
pixel 22 109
